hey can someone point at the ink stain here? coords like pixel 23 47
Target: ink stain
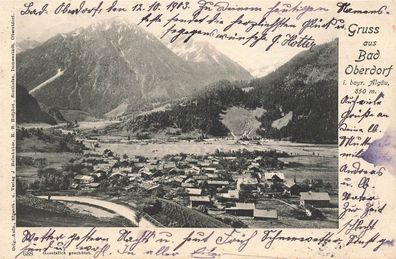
pixel 382 151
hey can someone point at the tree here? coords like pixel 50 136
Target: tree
pixel 203 209
pixel 124 181
pixel 159 192
pixel 108 152
pixel 20 187
pixel 104 183
pixel 204 185
pixel 138 216
pixel 35 185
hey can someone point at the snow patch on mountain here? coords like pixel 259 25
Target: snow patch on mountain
pixel 195 51
pixel 59 73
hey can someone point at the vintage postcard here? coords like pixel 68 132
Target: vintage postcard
pixel 198 129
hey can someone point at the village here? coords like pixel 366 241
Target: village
pixel 235 183
pixel 231 186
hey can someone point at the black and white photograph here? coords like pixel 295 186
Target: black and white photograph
pixel 121 124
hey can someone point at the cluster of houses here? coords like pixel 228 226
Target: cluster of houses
pixel 196 181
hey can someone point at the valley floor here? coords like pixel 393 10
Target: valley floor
pixel 148 182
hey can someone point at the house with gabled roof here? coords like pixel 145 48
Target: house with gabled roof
pixel 193 191
pixel 187 185
pixel 103 167
pixel 218 183
pixel 254 168
pixel 139 165
pixel 145 172
pixel 169 165
pixel 231 195
pixel 274 177
pixel 209 169
pixel 84 179
pixel 117 175
pixel 265 214
pixel 242 209
pixel 316 199
pixel 248 183
pixel 195 201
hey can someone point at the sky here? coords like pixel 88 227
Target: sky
pixel 256 60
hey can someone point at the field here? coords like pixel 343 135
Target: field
pixel 242 121
pixel 39 125
pixel 313 167
pixel 28 173
pixel 282 122
pixel 40 148
pixel 33 144
pixel 160 149
pixel 72 115
pixel 84 125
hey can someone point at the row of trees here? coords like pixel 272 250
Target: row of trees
pixel 56 141
pixel 314 109
pixel 200 113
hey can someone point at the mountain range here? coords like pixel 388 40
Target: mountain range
pixel 110 69
pixel 106 65
pixel 297 101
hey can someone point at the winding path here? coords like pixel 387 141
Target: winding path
pixel 122 210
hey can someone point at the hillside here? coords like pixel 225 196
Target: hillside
pixel 307 86
pixel 200 113
pixel 46 140
pixel 98 68
pixel 26 44
pixel 28 110
pixel 172 214
pixel 299 99
pixel 241 121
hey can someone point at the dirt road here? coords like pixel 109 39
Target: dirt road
pixel 122 210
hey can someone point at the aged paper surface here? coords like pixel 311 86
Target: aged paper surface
pixel 197 129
